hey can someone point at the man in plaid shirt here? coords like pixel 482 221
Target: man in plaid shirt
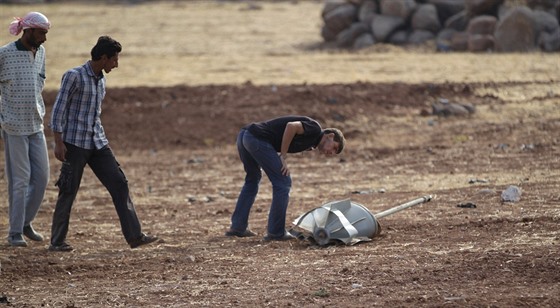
pixel 80 140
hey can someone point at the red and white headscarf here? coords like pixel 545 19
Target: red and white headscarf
pixel 33 20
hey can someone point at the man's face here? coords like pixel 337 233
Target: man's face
pixel 327 145
pixel 37 37
pixel 110 63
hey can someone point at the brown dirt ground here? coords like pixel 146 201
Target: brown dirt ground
pixel 176 146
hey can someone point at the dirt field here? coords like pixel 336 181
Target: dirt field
pixel 172 120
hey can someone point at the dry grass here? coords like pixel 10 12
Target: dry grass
pixel 215 42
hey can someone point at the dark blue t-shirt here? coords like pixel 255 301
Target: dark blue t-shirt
pixel 272 131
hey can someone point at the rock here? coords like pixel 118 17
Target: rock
pixel 549 31
pixel 459 21
pixel 484 24
pixel 545 22
pixel 249 7
pixel 327 34
pixel 469 205
pixel 516 32
pixel 544 5
pixel 398 8
pixel 347 36
pixel 511 194
pixel 399 38
pixel 382 26
pixel 460 41
pixel 426 18
pixel 330 5
pixel 447 8
pixel 363 192
pixel 445 109
pixel 443 39
pixel 449 110
pixel 456 25
pixel 339 18
pixel 481 42
pixel 420 36
pixel 363 41
pixel 486 191
pixel 549 42
pixel 367 10
pixel 476 180
pixel 4 300
pixel 482 7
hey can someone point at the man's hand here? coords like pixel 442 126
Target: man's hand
pixel 285 170
pixel 59 147
pixel 60 152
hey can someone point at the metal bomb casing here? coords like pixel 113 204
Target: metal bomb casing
pixel 343 221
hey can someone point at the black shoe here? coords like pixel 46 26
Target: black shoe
pixel 17 240
pixel 286 237
pixel 143 240
pixel 65 247
pixel 31 234
pixel 246 233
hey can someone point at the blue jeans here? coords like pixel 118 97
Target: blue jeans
pixel 27 171
pixel 256 154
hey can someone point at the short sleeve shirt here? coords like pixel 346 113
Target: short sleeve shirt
pixel 272 131
pixel 22 78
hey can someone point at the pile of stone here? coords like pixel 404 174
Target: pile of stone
pixel 454 25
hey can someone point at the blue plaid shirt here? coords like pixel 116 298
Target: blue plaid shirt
pixel 77 108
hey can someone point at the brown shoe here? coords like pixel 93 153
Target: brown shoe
pixel 143 240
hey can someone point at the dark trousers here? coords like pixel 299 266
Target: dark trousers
pixel 103 163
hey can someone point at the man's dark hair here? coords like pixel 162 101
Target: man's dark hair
pixel 105 46
pixel 338 137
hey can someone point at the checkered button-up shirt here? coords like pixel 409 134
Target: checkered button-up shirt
pixel 77 108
